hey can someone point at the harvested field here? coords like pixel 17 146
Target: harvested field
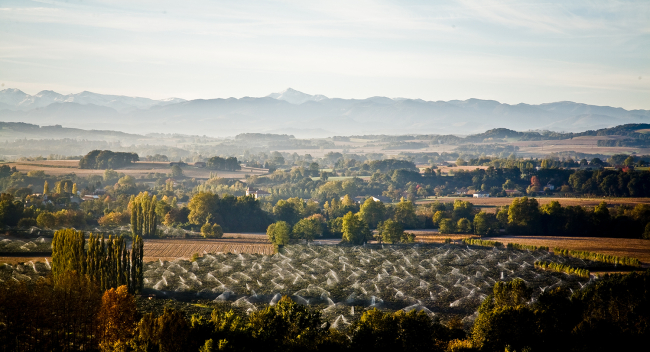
pixel 16 260
pixel 170 249
pixel 433 236
pixel 628 247
pixel 140 168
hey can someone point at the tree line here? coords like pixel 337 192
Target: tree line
pixel 106 159
pixel 297 219
pixel 225 164
pixel 525 217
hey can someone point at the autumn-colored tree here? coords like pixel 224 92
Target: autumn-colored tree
pixel 117 319
pixel 115 219
pixel 169 332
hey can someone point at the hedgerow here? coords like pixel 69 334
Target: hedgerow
pixel 598 257
pixel 482 243
pixel 526 247
pixel 561 268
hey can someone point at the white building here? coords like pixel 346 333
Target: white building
pixel 257 194
pixel 481 194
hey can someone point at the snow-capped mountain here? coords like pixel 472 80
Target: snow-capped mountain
pixel 295 97
pixel 16 99
pixel 292 110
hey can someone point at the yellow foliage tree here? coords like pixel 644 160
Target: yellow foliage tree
pixel 117 319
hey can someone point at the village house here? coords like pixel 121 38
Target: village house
pixel 481 194
pixel 257 193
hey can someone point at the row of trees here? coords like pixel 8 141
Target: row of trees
pixel 524 216
pixel 144 219
pixel 231 213
pixel 108 263
pixel 106 159
pixel 225 164
pixel 344 219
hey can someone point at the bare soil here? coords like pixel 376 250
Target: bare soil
pixel 170 249
pixel 626 247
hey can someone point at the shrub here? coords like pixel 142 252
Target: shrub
pixel 27 222
pixel 460 346
pixel 211 231
pixel 46 220
pixel 115 219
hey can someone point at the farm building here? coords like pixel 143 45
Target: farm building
pixel 257 193
pixel 381 199
pixel 481 194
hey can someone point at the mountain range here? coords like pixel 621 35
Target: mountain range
pixel 303 114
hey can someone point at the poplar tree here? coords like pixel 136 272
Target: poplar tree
pixel 108 263
pixel 144 220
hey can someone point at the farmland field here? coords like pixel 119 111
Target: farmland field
pixel 170 249
pixel 433 236
pixel 628 247
pixel 140 168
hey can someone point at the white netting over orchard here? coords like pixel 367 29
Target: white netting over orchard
pixel 447 279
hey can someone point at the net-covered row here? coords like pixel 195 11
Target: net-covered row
pixel 447 279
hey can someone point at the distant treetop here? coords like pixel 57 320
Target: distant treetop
pixel 106 159
pixel 263 136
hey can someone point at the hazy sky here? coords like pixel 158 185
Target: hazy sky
pixel 596 52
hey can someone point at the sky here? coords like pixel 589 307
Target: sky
pixel 594 52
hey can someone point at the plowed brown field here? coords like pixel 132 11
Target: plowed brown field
pixel 433 236
pixel 170 249
pixel 628 247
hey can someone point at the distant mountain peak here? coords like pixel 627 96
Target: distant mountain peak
pixel 293 96
pixel 16 99
pixel 11 91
